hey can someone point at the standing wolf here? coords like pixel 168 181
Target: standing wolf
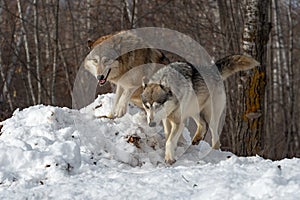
pixel 178 91
pixel 124 69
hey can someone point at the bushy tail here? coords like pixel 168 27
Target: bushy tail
pixel 235 63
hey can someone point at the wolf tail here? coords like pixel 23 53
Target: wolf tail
pixel 235 63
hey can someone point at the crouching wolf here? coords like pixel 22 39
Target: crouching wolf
pixel 178 91
pixel 126 69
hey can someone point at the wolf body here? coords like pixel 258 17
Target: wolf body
pixel 179 90
pixel 125 68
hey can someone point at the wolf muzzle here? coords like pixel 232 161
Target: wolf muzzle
pixel 102 78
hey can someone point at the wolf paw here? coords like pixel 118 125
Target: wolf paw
pixel 217 145
pixel 120 111
pixel 170 161
pixel 197 140
pixel 109 116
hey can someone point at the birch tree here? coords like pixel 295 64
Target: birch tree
pixel 55 52
pixel 88 14
pixel 28 61
pixel 37 51
pixel 131 10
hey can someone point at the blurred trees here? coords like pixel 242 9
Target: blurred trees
pixel 43 43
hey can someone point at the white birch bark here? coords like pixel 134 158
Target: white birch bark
pixel 37 50
pixel 132 11
pixel 55 53
pixel 250 28
pixel 29 79
pixel 88 15
pixel 282 49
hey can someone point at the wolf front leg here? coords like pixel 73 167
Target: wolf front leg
pixel 167 127
pixel 119 92
pixel 121 107
pixel 171 143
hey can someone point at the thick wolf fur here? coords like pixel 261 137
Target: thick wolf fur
pixel 178 91
pixel 123 71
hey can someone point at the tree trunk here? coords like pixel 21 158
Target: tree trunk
pixel 255 37
pixel 55 53
pixel 66 70
pixel 74 32
pixel 295 137
pixel 28 64
pixel 17 40
pixel 230 27
pixel 88 15
pixel 5 92
pixel 37 51
pixel 131 9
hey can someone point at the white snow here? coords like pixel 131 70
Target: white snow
pixel 49 152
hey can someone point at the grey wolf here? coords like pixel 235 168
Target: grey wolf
pixel 125 71
pixel 178 91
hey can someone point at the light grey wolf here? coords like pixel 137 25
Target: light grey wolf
pixel 178 91
pixel 126 70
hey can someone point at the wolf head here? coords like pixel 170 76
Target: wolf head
pixel 158 102
pixel 101 67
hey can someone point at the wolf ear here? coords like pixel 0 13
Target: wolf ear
pixel 145 81
pixel 163 86
pixel 166 89
pixel 90 44
pixel 162 83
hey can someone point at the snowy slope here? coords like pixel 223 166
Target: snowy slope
pixel 58 153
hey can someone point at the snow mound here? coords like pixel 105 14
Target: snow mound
pixel 46 139
pixel 45 150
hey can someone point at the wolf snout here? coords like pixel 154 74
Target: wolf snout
pixel 100 77
pixel 152 124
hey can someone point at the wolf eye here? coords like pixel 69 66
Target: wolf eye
pixel 107 61
pixel 95 60
pixel 147 105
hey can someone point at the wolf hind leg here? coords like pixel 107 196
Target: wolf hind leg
pixel 214 112
pixel 199 134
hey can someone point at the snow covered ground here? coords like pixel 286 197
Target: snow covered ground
pixel 58 153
